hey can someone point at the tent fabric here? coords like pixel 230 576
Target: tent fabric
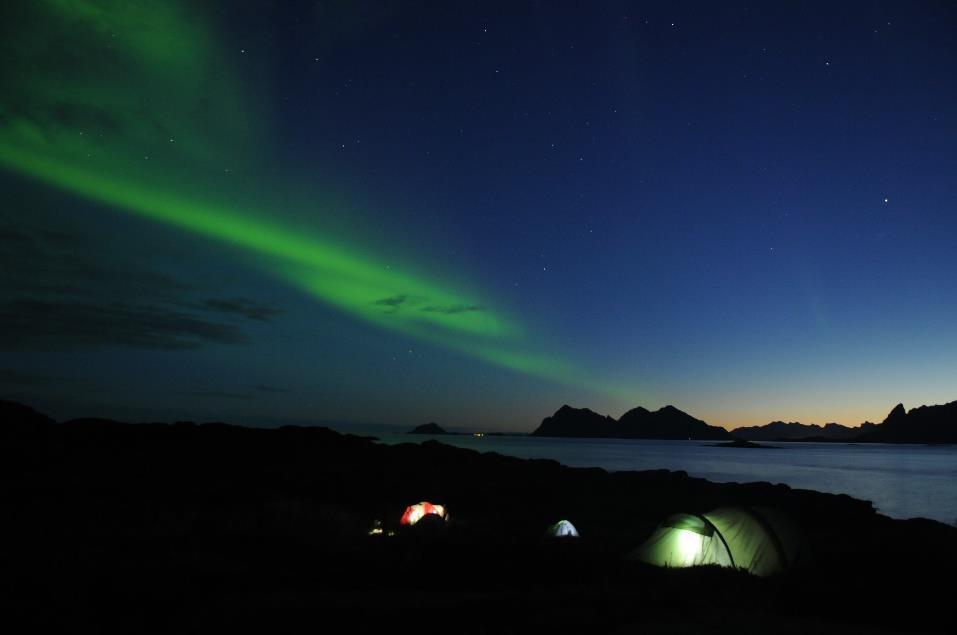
pixel 752 542
pixel 684 540
pixel 562 529
pixel 415 513
pixel 761 542
pixel 697 524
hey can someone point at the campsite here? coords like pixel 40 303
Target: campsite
pixel 476 317
pixel 161 528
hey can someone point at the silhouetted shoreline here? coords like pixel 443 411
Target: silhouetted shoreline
pixel 187 528
pixel 741 443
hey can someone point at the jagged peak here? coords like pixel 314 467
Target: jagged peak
pixel 897 413
pixel 567 408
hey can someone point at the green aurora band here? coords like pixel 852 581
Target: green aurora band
pixel 120 101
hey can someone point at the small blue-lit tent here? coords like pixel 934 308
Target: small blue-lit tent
pixel 562 529
pixel 759 541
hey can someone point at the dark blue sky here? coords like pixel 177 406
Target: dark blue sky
pixel 746 210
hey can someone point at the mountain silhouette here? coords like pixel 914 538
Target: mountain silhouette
pixel 926 424
pixel 428 428
pixel 667 423
pixel 794 431
pixel 638 423
pixel 576 422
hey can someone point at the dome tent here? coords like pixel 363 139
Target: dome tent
pixel 414 513
pixel 562 529
pixel 758 541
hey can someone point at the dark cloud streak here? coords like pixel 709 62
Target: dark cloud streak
pixel 43 325
pixel 62 291
pixel 213 394
pixel 397 302
pixel 37 261
pixel 272 389
pixel 15 377
pixel 456 308
pixel 242 307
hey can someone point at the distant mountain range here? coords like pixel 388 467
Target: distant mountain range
pixel 794 431
pixel 638 423
pixel 926 424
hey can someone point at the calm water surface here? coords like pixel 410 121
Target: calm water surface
pixel 903 481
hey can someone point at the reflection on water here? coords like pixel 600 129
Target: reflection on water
pixel 903 481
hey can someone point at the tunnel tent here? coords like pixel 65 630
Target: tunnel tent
pixel 758 541
pixel 562 529
pixel 684 540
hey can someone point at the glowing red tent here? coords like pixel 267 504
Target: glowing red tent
pixel 415 513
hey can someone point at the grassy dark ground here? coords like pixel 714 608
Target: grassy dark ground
pixel 181 528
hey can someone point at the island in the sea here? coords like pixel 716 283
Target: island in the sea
pixel 428 428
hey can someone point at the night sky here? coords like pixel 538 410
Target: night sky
pixel 474 213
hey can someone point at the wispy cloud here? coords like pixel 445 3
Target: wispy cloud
pixel 60 293
pixel 214 394
pixel 413 302
pixel 240 306
pixel 273 389
pixel 453 309
pixel 15 377
pixel 29 324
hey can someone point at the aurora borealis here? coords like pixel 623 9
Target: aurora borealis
pixel 79 153
pixel 395 213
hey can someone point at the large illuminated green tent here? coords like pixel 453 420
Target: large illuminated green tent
pixel 759 541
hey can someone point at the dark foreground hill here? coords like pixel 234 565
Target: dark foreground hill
pixel 184 528
pixel 638 423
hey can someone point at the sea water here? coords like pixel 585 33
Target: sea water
pixel 902 481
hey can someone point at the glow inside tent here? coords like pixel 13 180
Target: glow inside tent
pixel 562 529
pixel 758 541
pixel 415 513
